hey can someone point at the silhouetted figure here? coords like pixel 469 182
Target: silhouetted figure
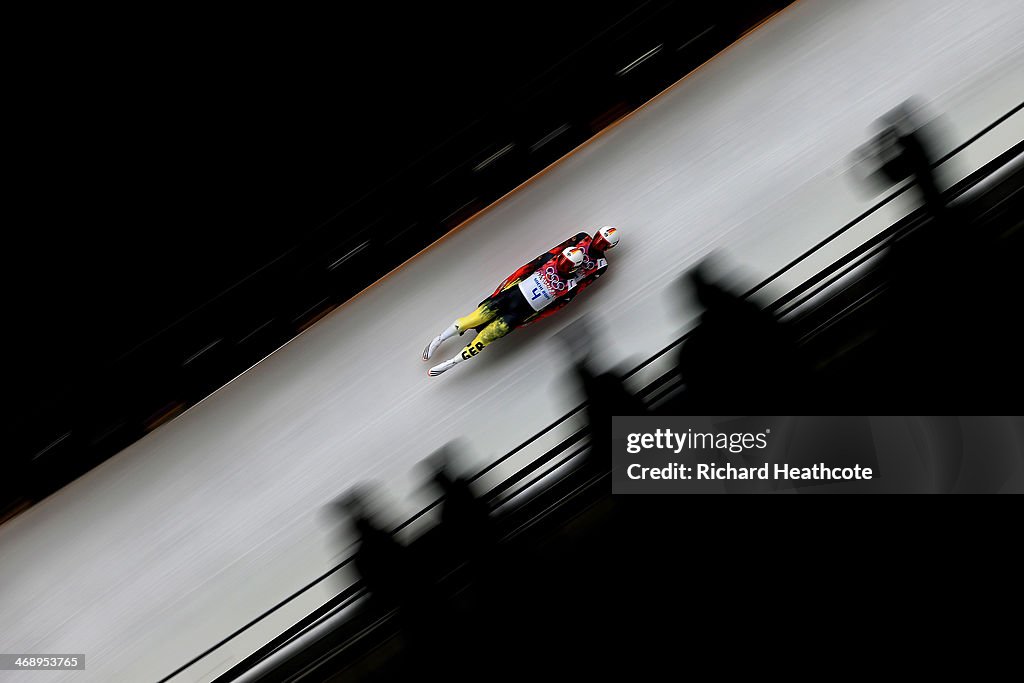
pixel 605 393
pixel 908 155
pixel 739 360
pixel 607 397
pixel 396 578
pixel 466 528
pixel 384 564
pixel 466 554
pixel 953 293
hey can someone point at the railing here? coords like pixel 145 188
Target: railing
pixel 576 443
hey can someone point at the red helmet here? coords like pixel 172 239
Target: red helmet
pixel 605 238
pixel 570 260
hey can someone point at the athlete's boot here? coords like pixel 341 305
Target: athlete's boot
pixel 445 366
pixel 450 332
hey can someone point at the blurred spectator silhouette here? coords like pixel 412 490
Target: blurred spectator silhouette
pixel 605 392
pixel 607 397
pixel 396 577
pixel 902 149
pixel 466 531
pixel 949 330
pixel 739 360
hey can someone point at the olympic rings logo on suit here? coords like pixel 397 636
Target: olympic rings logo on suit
pixel 554 280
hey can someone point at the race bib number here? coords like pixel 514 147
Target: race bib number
pixel 543 287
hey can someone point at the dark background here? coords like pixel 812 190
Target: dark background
pixel 188 181
pixel 168 156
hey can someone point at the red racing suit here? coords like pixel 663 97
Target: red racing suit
pixel 594 265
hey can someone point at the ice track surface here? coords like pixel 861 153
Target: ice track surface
pixel 163 550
